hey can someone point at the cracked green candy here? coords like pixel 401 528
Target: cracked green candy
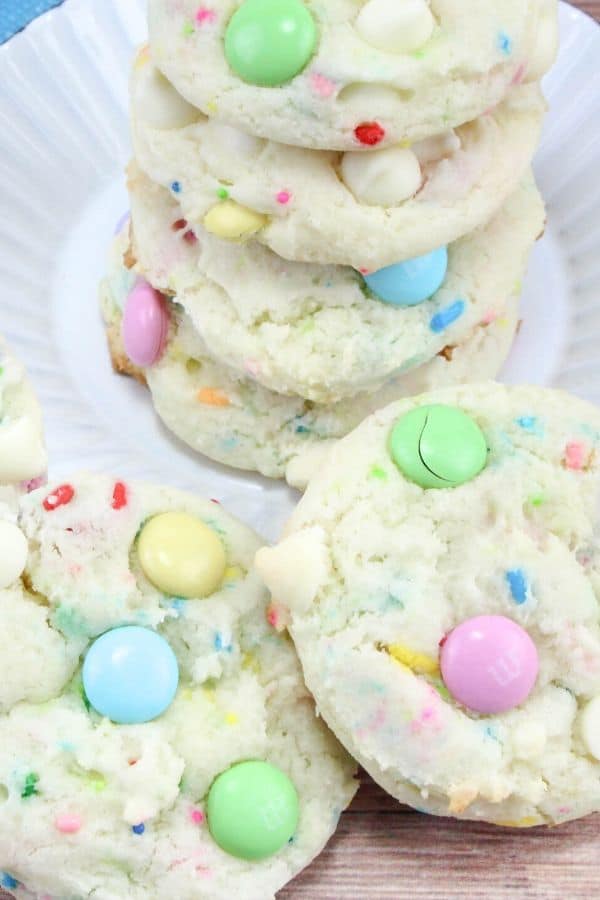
pixel 438 446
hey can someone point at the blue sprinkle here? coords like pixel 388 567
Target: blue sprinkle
pixel 527 422
pixel 505 43
pixel 7 881
pixel 229 443
pixel 179 605
pixel 446 317
pixel 302 429
pixel 138 829
pixel 491 733
pixel 518 585
pixel 219 644
pixel 176 187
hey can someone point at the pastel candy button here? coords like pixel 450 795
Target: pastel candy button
pixel 590 727
pixel 181 555
pixel 397 26
pixel 233 222
pixel 489 664
pixel 268 42
pixel 13 553
pixel 252 810
pixel 130 675
pixel 410 282
pixel 438 446
pixel 145 324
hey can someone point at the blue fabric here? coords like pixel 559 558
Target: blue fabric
pixel 16 14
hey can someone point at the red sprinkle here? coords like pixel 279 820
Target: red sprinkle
pixel 179 225
pixel 369 133
pixel 119 497
pixel 190 237
pixel 443 641
pixel 60 497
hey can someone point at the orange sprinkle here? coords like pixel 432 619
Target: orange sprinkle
pixel 213 397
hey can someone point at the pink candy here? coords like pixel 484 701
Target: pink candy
pixel 489 664
pixel 68 824
pixel 145 325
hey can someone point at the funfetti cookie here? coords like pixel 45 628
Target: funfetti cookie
pixel 233 419
pixel 22 451
pixel 170 748
pixel 441 575
pixel 365 210
pixel 349 75
pixel 326 333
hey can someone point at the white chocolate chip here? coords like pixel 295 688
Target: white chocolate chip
pixel 590 727
pixel 22 454
pixel 160 104
pixel 529 740
pixel 397 26
pixel 440 146
pixel 13 553
pixel 296 568
pixel 384 177
pixel 546 43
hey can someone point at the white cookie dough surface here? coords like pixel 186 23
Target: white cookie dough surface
pixel 376 571
pixel 467 62
pixel 316 331
pixel 22 450
pixel 365 210
pixel 234 420
pixel 76 788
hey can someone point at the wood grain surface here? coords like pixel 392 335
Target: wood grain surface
pixel 382 850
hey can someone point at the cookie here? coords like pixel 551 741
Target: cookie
pixel 170 748
pixel 22 451
pixel 441 576
pixel 365 210
pixel 349 75
pixel 234 420
pixel 319 332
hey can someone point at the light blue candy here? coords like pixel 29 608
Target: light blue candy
pixel 130 675
pixel 410 282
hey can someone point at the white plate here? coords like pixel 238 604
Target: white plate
pixel 63 145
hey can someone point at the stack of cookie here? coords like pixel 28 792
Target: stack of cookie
pixel 331 209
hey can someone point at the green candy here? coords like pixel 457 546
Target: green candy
pixel 268 42
pixel 252 810
pixel 438 446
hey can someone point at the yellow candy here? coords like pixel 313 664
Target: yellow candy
pixel 181 555
pixel 233 222
pixel 526 822
pixel 416 662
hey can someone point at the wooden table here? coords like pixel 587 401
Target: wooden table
pixel 382 850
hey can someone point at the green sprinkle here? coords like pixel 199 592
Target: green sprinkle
pixel 188 29
pixel 442 690
pixel 84 698
pixel 96 782
pixel 222 193
pixel 537 500
pixel 30 787
pixel 379 473
pixel 70 622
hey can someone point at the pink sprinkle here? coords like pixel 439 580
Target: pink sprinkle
pixel 205 15
pixel 490 316
pixel 518 76
pixel 190 237
pixel 284 197
pixel 321 85
pixel 197 816
pixel 564 809
pixel 34 483
pixel 67 824
pixel 252 367
pixel 272 617
pixel 218 502
pixel 203 871
pixel 575 456
pixel 364 271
